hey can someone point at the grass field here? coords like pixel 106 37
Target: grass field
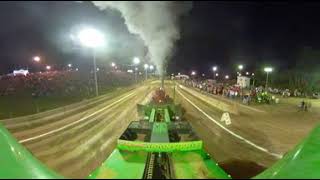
pixel 24 104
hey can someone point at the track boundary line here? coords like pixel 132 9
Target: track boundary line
pixel 279 156
pixel 75 122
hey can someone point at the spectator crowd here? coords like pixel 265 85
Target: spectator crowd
pixel 59 83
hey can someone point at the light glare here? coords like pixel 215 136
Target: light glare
pixel 91 38
pixel 136 60
pixel 268 69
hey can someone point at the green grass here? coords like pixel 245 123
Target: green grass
pixel 24 104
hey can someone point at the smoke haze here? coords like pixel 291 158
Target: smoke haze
pixel 155 22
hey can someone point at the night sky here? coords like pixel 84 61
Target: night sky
pixel 213 33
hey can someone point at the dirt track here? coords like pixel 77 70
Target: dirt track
pixel 257 137
pixel 74 144
pixel 76 141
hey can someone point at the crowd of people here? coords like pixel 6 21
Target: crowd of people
pixel 231 91
pixel 57 83
pixel 246 95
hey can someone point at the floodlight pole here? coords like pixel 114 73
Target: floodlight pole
pixel 135 74
pixel 267 81
pixel 95 71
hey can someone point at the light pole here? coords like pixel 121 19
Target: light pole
pixel 267 70
pixel 151 68
pixel 253 79
pixel 146 66
pixel 136 61
pixel 240 67
pixel 214 68
pixel 92 38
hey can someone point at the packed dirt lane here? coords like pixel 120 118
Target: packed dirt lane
pixel 79 142
pixel 256 137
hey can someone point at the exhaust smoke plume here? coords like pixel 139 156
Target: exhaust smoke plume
pixel 155 22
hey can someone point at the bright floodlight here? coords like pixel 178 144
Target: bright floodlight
pixel 179 74
pixel 48 67
pixel 146 66
pixel 91 38
pixel 227 76
pixel 70 65
pixel 247 73
pixel 136 69
pixel 36 58
pixel 113 64
pixel 193 73
pixel 98 69
pixel 252 74
pixel 240 67
pixel 151 67
pixel 214 68
pixel 217 74
pixel 268 69
pixel 136 60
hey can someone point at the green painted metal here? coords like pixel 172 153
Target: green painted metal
pixel 159 132
pixel 17 162
pixel 196 165
pixel 121 165
pixel 152 115
pixel 159 147
pixel 303 162
pixel 167 115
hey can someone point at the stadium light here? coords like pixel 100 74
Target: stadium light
pixel 36 58
pixel 136 60
pixel 193 73
pixel 267 70
pixel 240 67
pixel 214 68
pixel 92 38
